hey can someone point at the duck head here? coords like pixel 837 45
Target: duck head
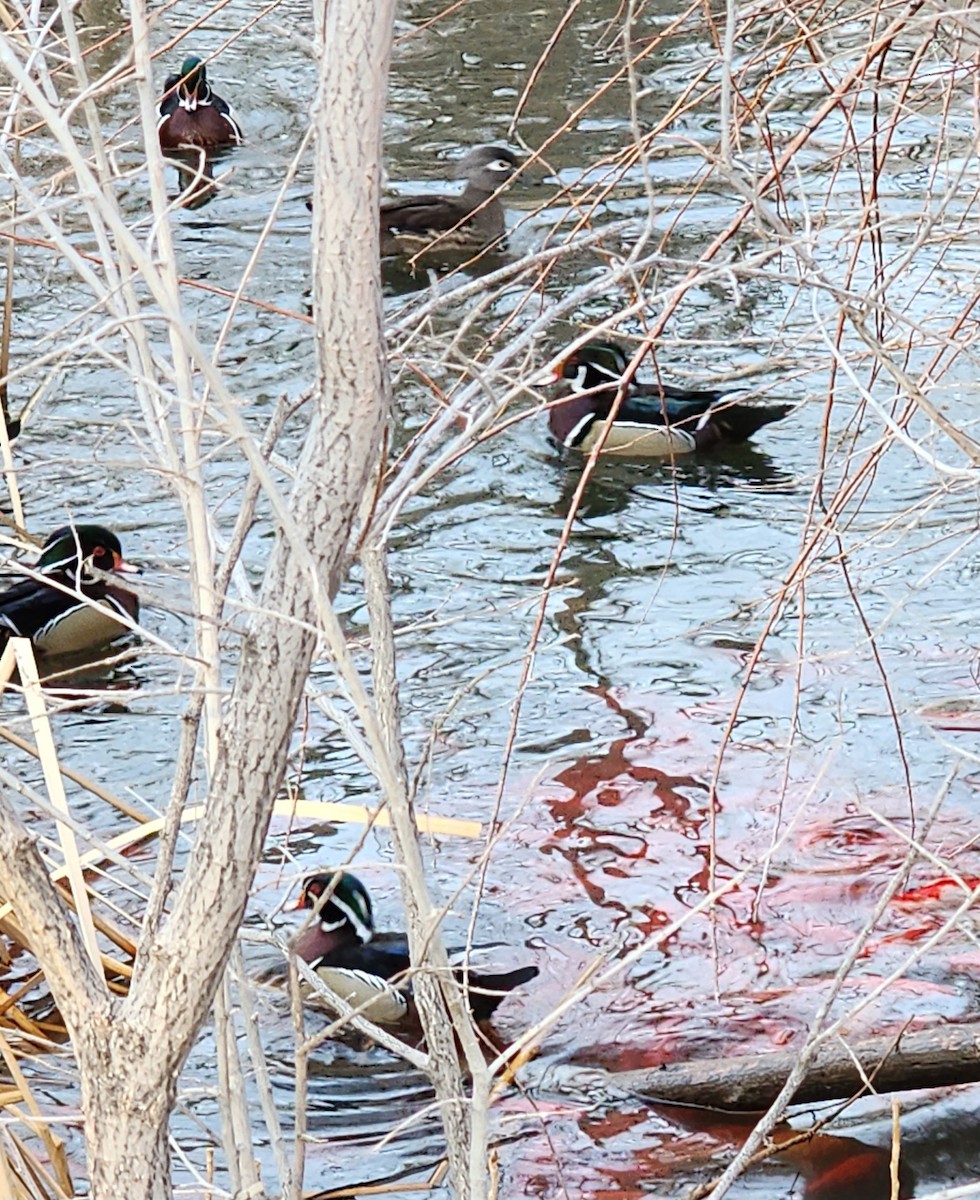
pixel 487 168
pixel 193 87
pixel 78 548
pixel 596 364
pixel 343 909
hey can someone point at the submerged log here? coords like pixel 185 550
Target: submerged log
pixel 919 1059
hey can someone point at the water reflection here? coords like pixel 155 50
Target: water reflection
pixel 620 1153
pixel 842 1168
pixel 194 172
pixel 614 483
pixel 627 822
pixel 403 276
pixel 602 824
pixel 833 1167
pixel 195 177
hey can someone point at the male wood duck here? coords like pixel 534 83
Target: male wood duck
pixel 191 115
pixel 471 221
pixel 655 420
pixel 61 623
pixel 371 969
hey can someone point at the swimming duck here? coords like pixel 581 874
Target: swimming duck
pixel 471 221
pixel 191 115
pixel 654 420
pixel 60 623
pixel 370 969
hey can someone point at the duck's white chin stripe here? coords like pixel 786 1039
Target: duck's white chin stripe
pixel 577 381
pixel 332 926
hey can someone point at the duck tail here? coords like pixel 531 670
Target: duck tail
pixel 738 422
pixel 487 991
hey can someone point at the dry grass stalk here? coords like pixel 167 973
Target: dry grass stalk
pixel 37 708
pixel 13 1017
pixel 83 780
pixel 477 389
pixel 37 1122
pixel 384 1189
pixel 34 1173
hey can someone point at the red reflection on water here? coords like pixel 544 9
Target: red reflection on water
pixel 836 1167
pixel 618 1154
pixel 625 831
pixel 945 889
pixel 833 1167
pixel 604 819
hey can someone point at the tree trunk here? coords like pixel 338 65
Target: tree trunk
pixel 130 1052
pixel 127 1113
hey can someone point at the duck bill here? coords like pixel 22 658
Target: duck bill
pixel 122 567
pixel 555 375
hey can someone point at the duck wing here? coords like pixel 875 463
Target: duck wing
pixel 649 404
pixel 28 607
pixel 224 109
pixel 386 956
pixel 360 974
pixel 713 416
pixel 422 215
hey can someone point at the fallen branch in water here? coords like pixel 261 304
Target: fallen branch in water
pixel 922 1059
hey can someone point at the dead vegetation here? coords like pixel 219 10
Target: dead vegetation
pixel 816 162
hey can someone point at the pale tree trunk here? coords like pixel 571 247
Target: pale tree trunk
pixel 127 1110
pixel 130 1051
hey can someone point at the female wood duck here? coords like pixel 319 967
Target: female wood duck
pixel 654 420
pixel 471 221
pixel 60 623
pixel 191 115
pixel 370 970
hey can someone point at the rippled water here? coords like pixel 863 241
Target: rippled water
pixel 667 580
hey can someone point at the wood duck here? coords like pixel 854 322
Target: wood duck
pixel 191 115
pixel 59 623
pixel 471 221
pixel 370 970
pixel 654 420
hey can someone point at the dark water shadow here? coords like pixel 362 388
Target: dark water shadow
pixel 403 276
pixel 194 173
pixel 832 1166
pixel 616 481
pixel 81 680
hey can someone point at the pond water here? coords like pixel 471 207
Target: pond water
pixel 847 725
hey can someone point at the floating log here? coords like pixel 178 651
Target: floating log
pixel 918 1059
